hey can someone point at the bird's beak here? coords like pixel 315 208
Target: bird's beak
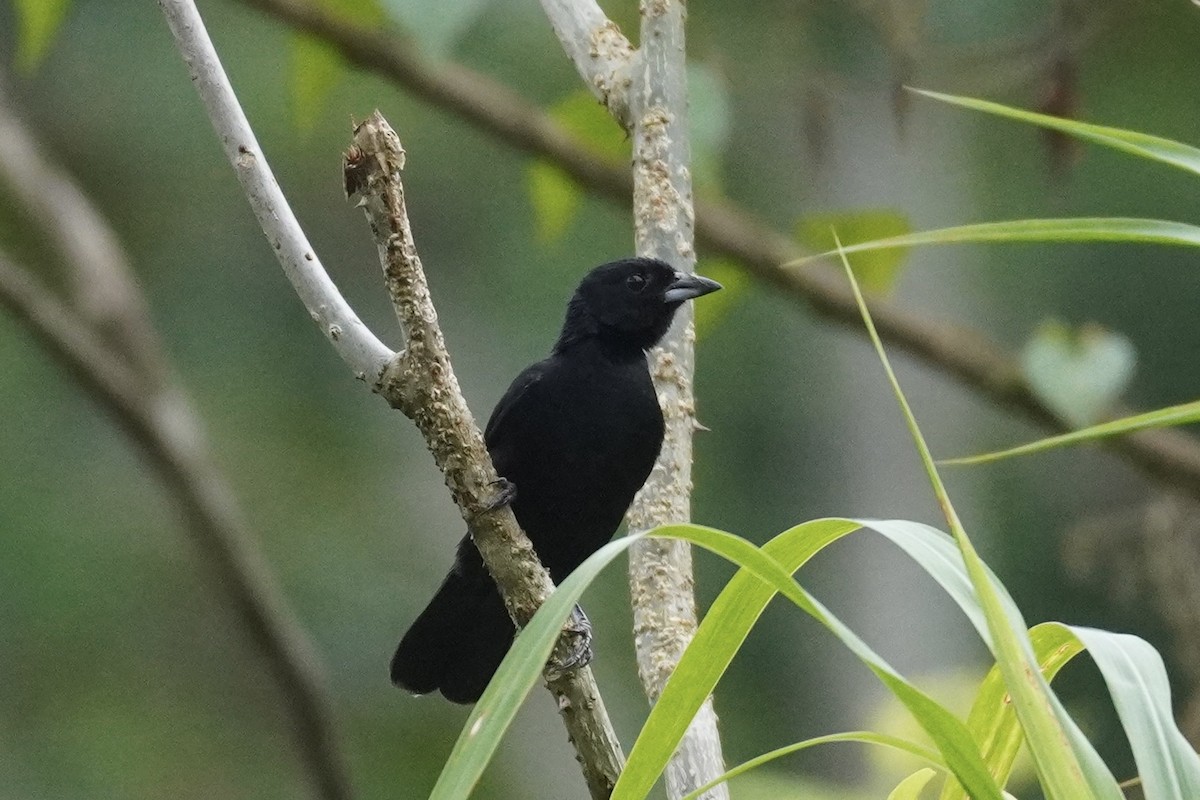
pixel 687 286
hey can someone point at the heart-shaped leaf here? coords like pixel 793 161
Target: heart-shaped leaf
pixel 1079 374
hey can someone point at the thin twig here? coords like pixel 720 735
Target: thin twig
pixel 421 383
pixel 163 425
pixel 961 353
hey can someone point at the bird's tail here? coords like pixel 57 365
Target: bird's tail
pixel 458 641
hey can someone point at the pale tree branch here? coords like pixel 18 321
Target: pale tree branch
pixel 420 380
pixel 660 570
pixel 358 347
pixel 956 351
pixel 107 341
pixel 601 53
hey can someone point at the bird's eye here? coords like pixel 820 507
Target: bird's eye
pixel 636 282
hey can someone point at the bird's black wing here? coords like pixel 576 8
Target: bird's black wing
pixel 518 393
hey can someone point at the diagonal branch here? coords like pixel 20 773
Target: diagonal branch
pixel 163 426
pixel 107 341
pixel 420 380
pixel 353 341
pixel 421 383
pixel 964 354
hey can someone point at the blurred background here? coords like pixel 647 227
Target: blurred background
pixel 122 670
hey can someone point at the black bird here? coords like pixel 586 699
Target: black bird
pixel 576 435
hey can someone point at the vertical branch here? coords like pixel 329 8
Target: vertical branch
pixel 660 570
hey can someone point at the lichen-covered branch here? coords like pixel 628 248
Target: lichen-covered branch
pixel 601 53
pixel 660 570
pixel 421 383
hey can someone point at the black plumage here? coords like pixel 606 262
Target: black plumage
pixel 577 435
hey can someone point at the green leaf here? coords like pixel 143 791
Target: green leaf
pixel 911 787
pixel 1139 144
pixel 316 69
pixel 877 270
pixel 764 573
pixel 1081 229
pixel 1184 414
pixel 865 737
pixel 555 197
pixel 734 282
pixel 1136 679
pixel 37 22
pixel 709 122
pixel 1054 741
pixel 992 720
pixel 555 200
pixel 1079 374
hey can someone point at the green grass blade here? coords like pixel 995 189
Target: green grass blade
pixel 864 737
pixel 1184 414
pixel 1144 145
pixel 992 720
pixel 764 573
pixel 1055 751
pixel 519 671
pixel 1137 681
pixel 1076 229
pixel 911 787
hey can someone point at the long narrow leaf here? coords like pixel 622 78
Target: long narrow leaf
pixel 725 627
pixel 1137 681
pixel 911 787
pixel 1183 414
pixel 863 737
pixel 993 721
pixel 1054 746
pixel 1156 148
pixel 1077 229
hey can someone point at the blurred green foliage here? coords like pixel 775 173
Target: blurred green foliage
pixel 123 673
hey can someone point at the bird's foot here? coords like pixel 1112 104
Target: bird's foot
pixel 574 649
pixel 506 492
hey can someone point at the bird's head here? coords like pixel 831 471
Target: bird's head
pixel 629 304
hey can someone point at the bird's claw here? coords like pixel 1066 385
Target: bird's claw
pixel 506 492
pixel 574 650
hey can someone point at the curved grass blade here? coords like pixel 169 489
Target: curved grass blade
pixel 1067 765
pixel 1183 414
pixel 864 737
pixel 911 787
pixel 992 720
pixel 764 573
pixel 1144 145
pixel 1137 680
pixel 1076 229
